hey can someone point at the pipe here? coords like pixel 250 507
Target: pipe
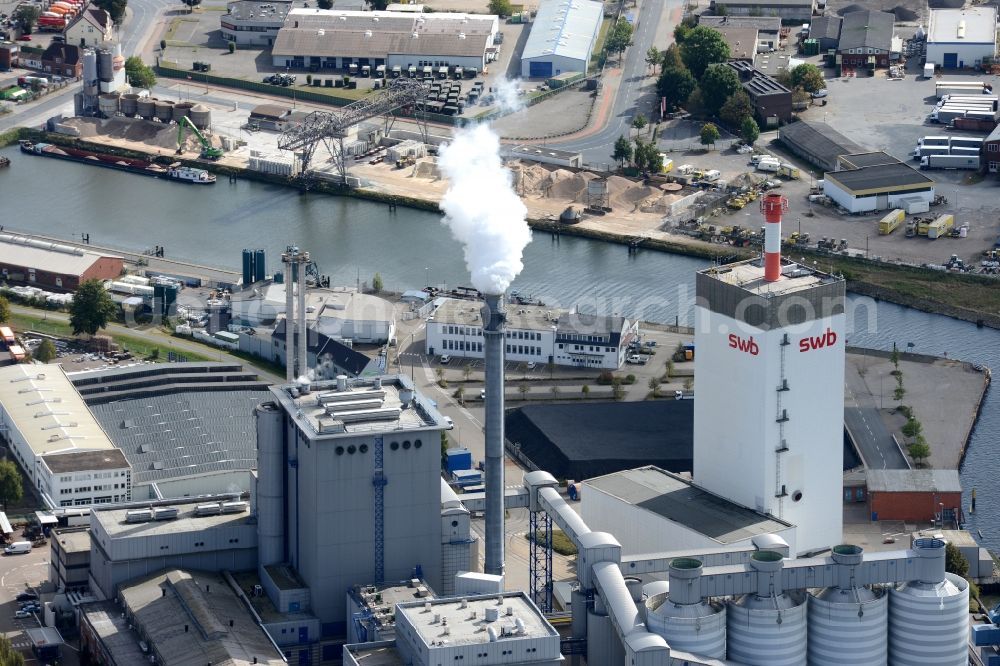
pixel 494 342
pixel 289 320
pixel 303 342
pixel 772 205
pixel 562 514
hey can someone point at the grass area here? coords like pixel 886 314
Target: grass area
pixel 602 37
pixel 148 349
pixel 41 324
pixel 560 542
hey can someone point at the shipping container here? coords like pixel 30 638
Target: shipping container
pixel 7 334
pixel 942 226
pixel 891 221
pixel 942 88
pixel 457 459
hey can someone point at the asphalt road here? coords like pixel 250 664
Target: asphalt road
pixel 869 433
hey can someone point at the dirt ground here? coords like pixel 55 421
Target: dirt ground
pixel 910 12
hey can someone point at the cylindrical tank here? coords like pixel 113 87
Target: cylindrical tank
pixel 599 634
pixel 182 110
pixel 129 104
pixel 634 587
pixel 107 104
pixel 105 71
pixel 164 110
pixel 201 116
pixel 929 617
pixel 767 627
pixel 146 107
pixel 685 620
pixel 270 466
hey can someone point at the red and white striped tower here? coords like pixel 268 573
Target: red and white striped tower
pixel 772 205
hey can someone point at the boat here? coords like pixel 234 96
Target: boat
pixel 4 161
pixel 173 171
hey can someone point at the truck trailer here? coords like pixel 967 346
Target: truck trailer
pixel 942 88
pixel 891 222
pixel 969 162
pixel 942 226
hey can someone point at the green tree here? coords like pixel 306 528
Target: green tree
pixel 501 7
pixel 8 655
pixel 377 284
pixel 28 16
pixel 800 97
pixel 735 109
pixel 639 122
pixel 681 32
pixel 718 83
pixel 138 73
pixel 709 134
pixel 675 84
pixel 115 8
pixel 4 309
pixel 749 131
pixel 912 428
pixel 671 57
pixel 585 390
pixel 10 483
pixel 894 356
pixel 619 37
pixel 163 45
pixel 646 153
pixel 654 386
pixel 232 47
pixel 920 450
pixel 623 151
pixel 46 351
pixel 191 4
pixel 954 560
pixel 898 393
pixel 91 309
pixel 807 76
pixel 695 103
pixel 702 47
pixel 653 57
pixel 324 4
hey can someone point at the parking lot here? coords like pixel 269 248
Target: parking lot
pixel 21 573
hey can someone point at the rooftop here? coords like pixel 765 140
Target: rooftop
pixel 274 112
pixel 679 500
pixel 565 28
pixel 914 481
pixel 818 139
pixel 46 256
pixel 749 275
pixel 262 603
pixel 224 631
pixel 113 521
pixel 381 599
pixel 765 4
pixel 763 84
pixel 742 41
pixel 866 29
pixel 114 632
pixel 531 318
pixel 72 461
pixel 880 177
pixel 972 25
pixel 825 27
pixel 243 10
pixel 95 16
pixel 768 24
pixel 43 406
pixel 452 619
pixel 342 356
pixel 860 160
pixel 73 539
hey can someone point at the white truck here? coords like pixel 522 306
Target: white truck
pixel 950 162
pixel 769 164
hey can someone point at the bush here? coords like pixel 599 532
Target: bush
pixel 629 379
pixel 232 47
pixel 605 378
pixel 560 542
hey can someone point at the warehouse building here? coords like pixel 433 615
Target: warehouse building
pixel 866 39
pixel 826 31
pixel 914 495
pixel 252 22
pixel 960 38
pixel 771 102
pixel 69 559
pixel 52 265
pixel 768 28
pixel 817 143
pixel 878 187
pixel 991 151
pixel 329 39
pixel 786 10
pixel 562 38
pixel 859 160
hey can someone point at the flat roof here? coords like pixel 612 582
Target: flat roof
pixel 262 603
pixel 243 10
pixel 749 275
pixel 914 481
pixel 531 318
pixel 679 500
pixel 46 255
pixel 376 655
pixel 531 151
pixel 44 636
pixel 112 521
pixel 42 404
pixel 72 461
pixel 114 631
pixel 768 24
pixel 742 41
pixel 73 539
pixel 565 29
pixel 818 139
pixel 972 25
pixel 880 177
pixel 860 160
pixel 465 631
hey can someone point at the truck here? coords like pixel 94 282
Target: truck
pixel 942 226
pixel 950 162
pixel 924 151
pixel 7 335
pixel 942 88
pixel 768 164
pixel 990 100
pixel 949 112
pixel 891 222
pixel 789 171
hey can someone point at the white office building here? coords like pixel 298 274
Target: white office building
pixel 962 38
pixel 562 38
pixel 252 22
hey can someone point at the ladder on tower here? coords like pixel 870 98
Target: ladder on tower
pixel 379 482
pixel 780 491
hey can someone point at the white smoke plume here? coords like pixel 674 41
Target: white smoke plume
pixel 507 95
pixel 482 210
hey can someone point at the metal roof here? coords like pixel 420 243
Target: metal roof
pixel 680 501
pixel 46 256
pixel 113 521
pixel 825 27
pixel 859 160
pixel 867 29
pixel 114 632
pixel 533 318
pixel 972 25
pixel 880 177
pixel 768 24
pixel 564 28
pixel 914 481
pixel 466 631
pixel 818 139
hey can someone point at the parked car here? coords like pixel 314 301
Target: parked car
pixel 449 424
pixel 531 365
pixel 18 548
pixel 21 614
pixel 24 38
pixel 636 359
pixel 27 596
pixel 482 394
pixel 822 92
pixel 445 359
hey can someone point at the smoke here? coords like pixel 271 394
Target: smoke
pixel 482 209
pixel 507 95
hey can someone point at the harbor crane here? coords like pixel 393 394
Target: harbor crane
pixel 331 127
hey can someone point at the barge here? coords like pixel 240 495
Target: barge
pixel 174 171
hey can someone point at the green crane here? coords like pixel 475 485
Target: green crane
pixel 208 151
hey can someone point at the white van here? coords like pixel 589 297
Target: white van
pixel 18 548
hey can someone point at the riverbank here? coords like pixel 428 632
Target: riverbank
pixel 970 298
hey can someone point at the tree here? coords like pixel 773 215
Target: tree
pixel 585 390
pixel 4 309
pixel 735 109
pixel 912 428
pixel 898 393
pixel 808 77
pixel 749 131
pixel 163 45
pixel 695 103
pixel 709 134
pixel 639 122
pixel 675 84
pixel 681 32
pixel 46 351
pixel 718 83
pixel 466 371
pixel 501 7
pixel 91 309
pixel 671 57
pixel 324 4
pixel 191 4
pixel 28 17
pixel 702 47
pixel 920 450
pixel 138 73
pixel 523 390
pixel 115 8
pixel 623 151
pixel 378 5
pixel 653 57
pixel 647 155
pixel 232 47
pixel 10 483
pixel 954 560
pixel 654 386
pixel 9 656
pixel 800 97
pixel 377 283
pixel 619 38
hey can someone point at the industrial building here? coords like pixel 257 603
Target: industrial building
pixel 325 356
pixel 866 39
pixel 545 155
pixel 915 495
pixel 562 38
pixel 962 38
pixel 878 187
pixel 92 27
pixel 860 160
pixel 817 143
pixel 991 151
pixel 62 59
pixel 771 102
pixel 69 559
pixel 253 22
pixel 799 11
pixel 53 266
pixel 534 334
pixel 742 42
pixel 329 39
pixel 768 28
pixel 826 31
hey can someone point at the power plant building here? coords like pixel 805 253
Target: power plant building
pixel 562 38
pixel 53 266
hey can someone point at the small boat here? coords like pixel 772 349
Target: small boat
pixel 190 175
pixel 4 161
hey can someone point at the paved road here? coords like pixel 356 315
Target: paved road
pixel 867 429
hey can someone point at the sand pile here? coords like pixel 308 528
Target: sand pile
pixel 426 168
pixel 154 135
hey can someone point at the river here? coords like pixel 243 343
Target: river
pixel 353 239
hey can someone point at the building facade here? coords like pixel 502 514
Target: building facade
pixel 63 60
pixel 82 478
pixel 991 152
pixel 253 23
pixel 914 495
pixel 962 38
pixel 771 102
pixel 879 187
pixel 866 39
pixel 787 10
pixel 52 265
pixel 562 38
pixel 69 558
pixel 93 27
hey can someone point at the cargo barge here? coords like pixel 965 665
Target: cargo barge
pixel 173 171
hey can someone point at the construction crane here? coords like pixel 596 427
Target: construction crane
pixel 331 128
pixel 208 151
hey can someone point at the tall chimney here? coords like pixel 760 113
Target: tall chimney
pixel 772 205
pixel 494 319
pixel 289 318
pixel 303 343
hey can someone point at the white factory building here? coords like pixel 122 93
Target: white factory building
pixel 962 38
pixel 562 38
pixel 253 22
pixel 332 39
pixel 535 334
pixel 878 186
pixel 61 447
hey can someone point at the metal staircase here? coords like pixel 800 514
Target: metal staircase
pixel 780 491
pixel 379 481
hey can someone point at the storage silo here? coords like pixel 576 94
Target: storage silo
pixel 682 617
pixel 259 265
pixel 145 107
pixel 105 68
pixel 164 110
pixel 848 622
pixel 929 617
pixel 248 267
pixel 767 627
pixel 89 67
pixel 107 104
pixel 201 116
pixel 182 110
pixel 129 104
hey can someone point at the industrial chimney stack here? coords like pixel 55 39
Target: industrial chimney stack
pixel 773 206
pixel 494 333
pixel 295 262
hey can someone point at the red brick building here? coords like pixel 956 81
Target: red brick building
pixel 53 266
pixel 866 39
pixel 63 59
pixel 915 496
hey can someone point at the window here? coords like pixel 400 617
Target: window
pixel 993 147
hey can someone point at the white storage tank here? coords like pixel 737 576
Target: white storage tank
pixel 767 627
pixel 929 617
pixel 848 623
pixel 685 620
